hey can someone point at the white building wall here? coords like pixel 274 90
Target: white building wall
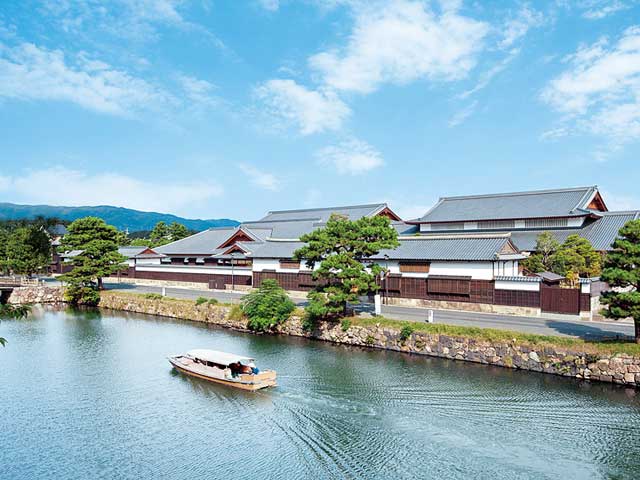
pixel 147 261
pixel 260 264
pixel 508 285
pixel 475 270
pixel 194 269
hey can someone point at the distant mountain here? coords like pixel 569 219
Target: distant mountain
pixel 122 218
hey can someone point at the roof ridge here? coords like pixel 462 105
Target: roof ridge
pixel 343 207
pixel 620 212
pixel 513 194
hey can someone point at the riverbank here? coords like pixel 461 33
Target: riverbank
pixel 612 362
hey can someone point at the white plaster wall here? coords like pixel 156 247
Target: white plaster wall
pixel 260 264
pixel 475 270
pixel 528 286
pixel 576 222
pixel 470 225
pixel 147 261
pixel 394 268
pixel 193 269
pixel 506 268
pixel 425 227
pixel 585 288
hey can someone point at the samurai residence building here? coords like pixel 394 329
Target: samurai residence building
pixel 462 254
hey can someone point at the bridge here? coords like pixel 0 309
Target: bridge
pixel 7 284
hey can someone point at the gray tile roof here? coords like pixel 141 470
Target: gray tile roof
pixel 447 248
pixel 286 229
pixel 322 214
pixel 202 243
pixel 131 251
pixel 534 204
pixel 419 248
pixel 600 232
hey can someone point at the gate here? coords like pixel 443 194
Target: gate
pixel 560 300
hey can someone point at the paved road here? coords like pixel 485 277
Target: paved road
pixel 551 325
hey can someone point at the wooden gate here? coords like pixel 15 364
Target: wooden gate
pixel 560 300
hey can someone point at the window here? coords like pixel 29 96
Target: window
pixel 290 264
pixel 448 226
pixel 451 285
pixel 414 267
pixel 496 224
pixel 546 223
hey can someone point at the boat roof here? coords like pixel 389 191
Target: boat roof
pixel 221 358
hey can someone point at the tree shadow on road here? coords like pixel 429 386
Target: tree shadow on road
pixel 585 331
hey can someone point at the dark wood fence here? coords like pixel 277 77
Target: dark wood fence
pixel 560 300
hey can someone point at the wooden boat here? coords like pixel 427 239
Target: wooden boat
pixel 235 370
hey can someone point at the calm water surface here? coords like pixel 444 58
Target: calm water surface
pixel 88 395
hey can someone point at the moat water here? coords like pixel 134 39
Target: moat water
pixel 90 395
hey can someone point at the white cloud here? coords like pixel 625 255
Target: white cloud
pixel 517 27
pixel 554 133
pixel 197 90
pixel 265 180
pixel 600 9
pixel 313 111
pixel 486 77
pixel 350 157
pixel 600 91
pixel 28 72
pixel 62 186
pixel 460 116
pixel 400 42
pixel 271 5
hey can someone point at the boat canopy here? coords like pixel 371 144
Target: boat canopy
pixel 220 358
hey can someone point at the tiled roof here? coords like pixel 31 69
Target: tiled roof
pixel 322 214
pixel 600 232
pixel 447 248
pixel 203 243
pixel 534 204
pixel 418 248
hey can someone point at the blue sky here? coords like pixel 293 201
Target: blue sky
pixel 231 108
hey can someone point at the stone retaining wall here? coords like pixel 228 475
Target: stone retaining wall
pixel 619 368
pixel 36 294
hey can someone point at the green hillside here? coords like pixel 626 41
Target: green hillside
pixel 122 218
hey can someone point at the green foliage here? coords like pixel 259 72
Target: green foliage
pixel 345 324
pixel 267 306
pixel 27 250
pixel 406 332
pixel 339 248
pixel 201 300
pixel 153 296
pixel 236 313
pixel 99 257
pixel 622 272
pixel 212 301
pixel 576 256
pixel 140 242
pixel 82 293
pixel 163 234
pixel 370 340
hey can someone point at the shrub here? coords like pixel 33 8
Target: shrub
pixel 236 313
pixel 153 296
pixel 345 324
pixel 82 294
pixel 405 333
pixel 212 301
pixel 267 306
pixel 201 300
pixel 369 340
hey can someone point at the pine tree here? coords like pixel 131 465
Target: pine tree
pixel 621 271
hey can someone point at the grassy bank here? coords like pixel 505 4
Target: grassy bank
pixel 494 335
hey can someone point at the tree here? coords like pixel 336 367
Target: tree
pixel 340 248
pixel 267 306
pixel 177 231
pixel 28 250
pixel 98 258
pixel 160 234
pixel 576 256
pixel 622 273
pixel 546 247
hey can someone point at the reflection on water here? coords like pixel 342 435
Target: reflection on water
pixel 90 395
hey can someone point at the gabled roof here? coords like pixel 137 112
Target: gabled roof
pixel 568 202
pixel 353 212
pixel 202 243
